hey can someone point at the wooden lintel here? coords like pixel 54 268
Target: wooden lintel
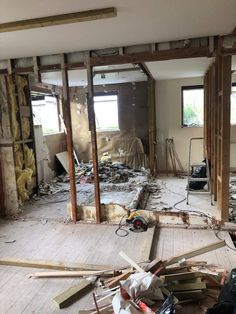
pixel 61 19
pixel 140 57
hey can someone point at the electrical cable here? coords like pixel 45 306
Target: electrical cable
pixel 120 231
pixel 199 213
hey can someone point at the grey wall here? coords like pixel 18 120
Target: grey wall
pixel 133 117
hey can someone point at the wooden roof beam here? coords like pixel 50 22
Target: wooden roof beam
pixel 61 19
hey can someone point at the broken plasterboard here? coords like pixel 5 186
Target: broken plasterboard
pixel 63 158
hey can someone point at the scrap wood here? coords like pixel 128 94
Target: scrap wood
pixel 44 264
pixel 189 295
pixel 187 286
pixel 153 265
pixel 70 273
pixel 115 281
pixel 131 262
pixel 199 251
pixel 181 276
pixel 72 294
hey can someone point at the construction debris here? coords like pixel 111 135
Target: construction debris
pixel 72 294
pixel 110 172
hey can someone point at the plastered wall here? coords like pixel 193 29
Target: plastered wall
pixel 133 118
pixel 168 117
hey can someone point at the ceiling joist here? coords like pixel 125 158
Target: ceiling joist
pixel 61 19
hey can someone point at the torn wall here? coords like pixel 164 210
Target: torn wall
pixel 6 154
pixel 130 143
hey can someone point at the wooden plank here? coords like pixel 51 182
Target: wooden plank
pixel 182 276
pixel 199 251
pixel 66 108
pixel 131 262
pixel 52 265
pixel 69 273
pixel 72 294
pixel 187 286
pixel 115 282
pixel 60 19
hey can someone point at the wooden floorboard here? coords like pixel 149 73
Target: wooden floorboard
pixel 75 243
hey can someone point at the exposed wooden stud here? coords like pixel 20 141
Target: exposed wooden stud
pixel 152 125
pixel 146 70
pixel 92 127
pixel 37 73
pixel 2 199
pixel 67 119
pixel 61 19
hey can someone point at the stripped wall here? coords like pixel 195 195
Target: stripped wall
pixel 133 118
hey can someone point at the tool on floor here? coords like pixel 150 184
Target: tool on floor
pixel 198 172
pixel 139 224
pixel 135 220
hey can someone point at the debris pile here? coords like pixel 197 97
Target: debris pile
pixel 154 287
pixel 232 198
pixel 109 172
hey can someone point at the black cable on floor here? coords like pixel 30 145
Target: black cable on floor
pixel 200 213
pixel 120 231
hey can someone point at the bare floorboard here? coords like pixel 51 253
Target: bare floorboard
pixel 85 243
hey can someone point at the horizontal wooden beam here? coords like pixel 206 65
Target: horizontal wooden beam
pixel 61 19
pixel 161 55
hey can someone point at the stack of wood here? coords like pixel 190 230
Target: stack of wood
pixel 187 280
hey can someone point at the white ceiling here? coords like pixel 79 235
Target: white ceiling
pixel 182 68
pixel 79 77
pixel 138 21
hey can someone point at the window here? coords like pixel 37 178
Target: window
pixel 233 104
pixel 192 106
pixel 45 112
pixel 106 112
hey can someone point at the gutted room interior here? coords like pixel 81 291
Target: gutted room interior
pixel 117 156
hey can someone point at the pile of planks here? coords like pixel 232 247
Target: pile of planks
pixel 185 279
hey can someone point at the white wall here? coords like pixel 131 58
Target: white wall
pixel 168 114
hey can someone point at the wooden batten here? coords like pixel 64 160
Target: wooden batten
pixel 61 19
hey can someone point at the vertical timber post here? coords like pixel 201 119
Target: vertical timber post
pixel 92 128
pixel 68 125
pixel 152 125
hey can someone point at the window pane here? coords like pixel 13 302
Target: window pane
pixel 106 112
pixel 193 100
pixel 46 113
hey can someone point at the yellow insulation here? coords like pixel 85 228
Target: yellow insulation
pixel 29 158
pixel 18 156
pixel 21 82
pixel 23 177
pixel 25 128
pixel 14 110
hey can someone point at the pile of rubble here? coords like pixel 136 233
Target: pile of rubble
pixel 109 172
pixel 232 198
